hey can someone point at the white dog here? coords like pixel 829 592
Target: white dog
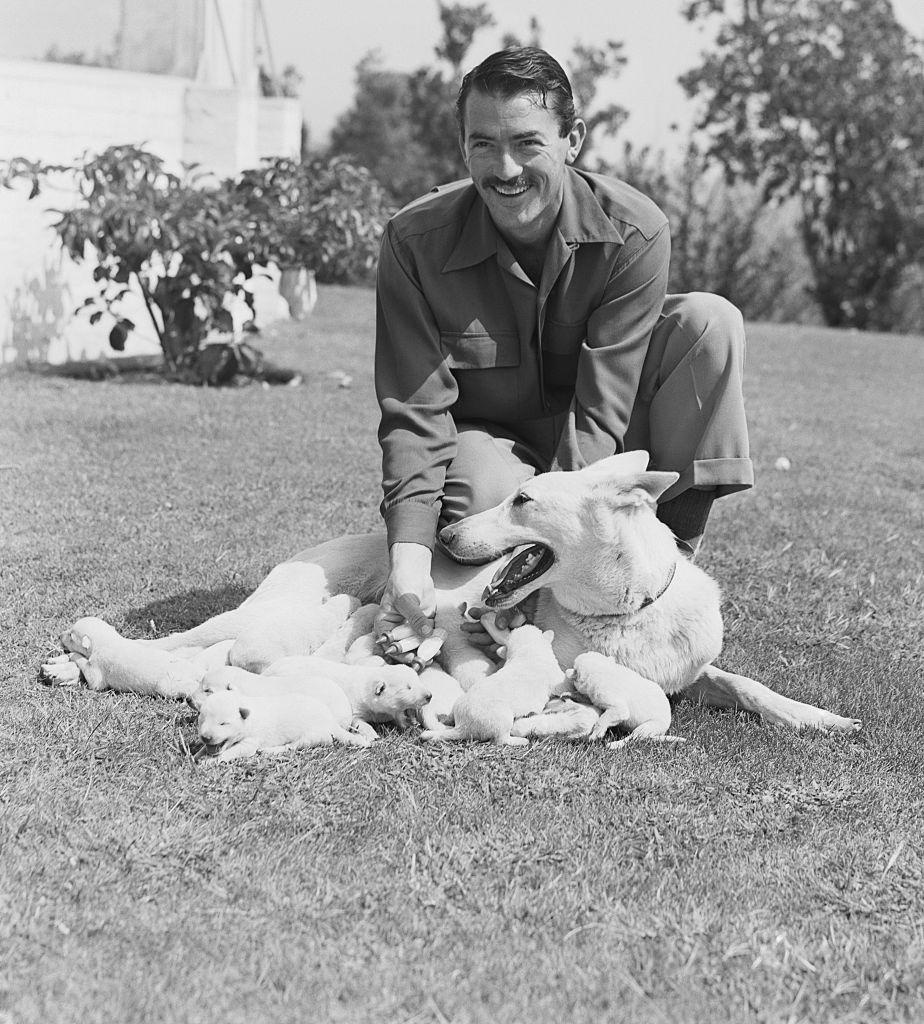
pixel 607 572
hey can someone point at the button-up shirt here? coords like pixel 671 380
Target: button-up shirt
pixel 463 334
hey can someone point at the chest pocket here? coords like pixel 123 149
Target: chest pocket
pixel 480 351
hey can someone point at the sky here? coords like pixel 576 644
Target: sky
pixel 326 40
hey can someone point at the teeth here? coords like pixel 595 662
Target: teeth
pixel 511 190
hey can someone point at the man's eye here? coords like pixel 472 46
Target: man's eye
pixel 521 499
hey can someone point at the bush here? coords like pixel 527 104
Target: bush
pixel 190 243
pixel 725 238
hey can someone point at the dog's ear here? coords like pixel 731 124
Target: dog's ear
pixel 549 634
pixel 624 464
pixel 653 484
pixel 87 644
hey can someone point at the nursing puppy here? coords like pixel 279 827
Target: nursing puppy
pixel 627 700
pixel 107 661
pixel 488 709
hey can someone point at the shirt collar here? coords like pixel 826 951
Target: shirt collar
pixel 581 219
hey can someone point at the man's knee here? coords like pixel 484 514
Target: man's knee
pixel 706 327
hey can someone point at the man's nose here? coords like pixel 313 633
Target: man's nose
pixel 508 166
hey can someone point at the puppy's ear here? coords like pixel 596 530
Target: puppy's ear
pixel 87 644
pixel 245 713
pixel 549 634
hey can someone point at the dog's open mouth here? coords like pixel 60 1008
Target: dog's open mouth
pixel 526 566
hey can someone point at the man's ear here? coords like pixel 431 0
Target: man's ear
pixel 576 139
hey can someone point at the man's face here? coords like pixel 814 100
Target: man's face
pixel 516 157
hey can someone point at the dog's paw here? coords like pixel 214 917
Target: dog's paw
pixel 827 721
pixel 60 671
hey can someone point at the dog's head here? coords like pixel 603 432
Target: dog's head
pixel 222 678
pixel 396 694
pixel 86 635
pixel 222 715
pixel 565 528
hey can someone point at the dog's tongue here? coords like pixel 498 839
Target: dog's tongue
pixel 509 576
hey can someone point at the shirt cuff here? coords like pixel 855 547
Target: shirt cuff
pixel 412 522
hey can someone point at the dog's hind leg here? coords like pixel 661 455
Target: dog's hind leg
pixel 226 626
pixel 610 718
pixel 722 689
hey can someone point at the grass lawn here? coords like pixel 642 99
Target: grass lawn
pixel 750 875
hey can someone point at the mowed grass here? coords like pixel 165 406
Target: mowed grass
pixel 750 875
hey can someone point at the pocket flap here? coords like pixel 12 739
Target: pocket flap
pixel 480 351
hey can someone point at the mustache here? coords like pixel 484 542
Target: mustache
pixel 519 182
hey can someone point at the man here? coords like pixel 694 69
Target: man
pixel 522 325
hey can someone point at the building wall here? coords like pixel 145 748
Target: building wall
pixel 56 112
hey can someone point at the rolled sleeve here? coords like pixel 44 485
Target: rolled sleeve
pixel 415 391
pixel 612 356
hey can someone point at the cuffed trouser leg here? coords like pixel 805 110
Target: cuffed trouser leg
pixel 689 412
pixel 487 468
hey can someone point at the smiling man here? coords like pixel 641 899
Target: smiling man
pixel 523 325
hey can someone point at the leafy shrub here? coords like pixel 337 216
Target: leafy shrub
pixel 190 242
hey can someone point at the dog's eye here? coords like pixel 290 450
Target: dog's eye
pixel 521 499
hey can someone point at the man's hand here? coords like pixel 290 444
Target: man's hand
pixel 475 632
pixel 409 595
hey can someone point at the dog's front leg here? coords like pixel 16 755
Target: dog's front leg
pixel 722 689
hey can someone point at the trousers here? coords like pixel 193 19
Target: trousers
pixel 688 415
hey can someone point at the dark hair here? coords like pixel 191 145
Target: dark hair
pixel 519 69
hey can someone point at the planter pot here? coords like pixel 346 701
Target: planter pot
pixel 299 288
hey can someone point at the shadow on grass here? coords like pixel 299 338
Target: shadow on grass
pixel 170 614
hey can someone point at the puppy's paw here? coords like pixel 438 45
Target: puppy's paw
pixel 60 671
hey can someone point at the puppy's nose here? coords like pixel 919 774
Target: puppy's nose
pixel 447 535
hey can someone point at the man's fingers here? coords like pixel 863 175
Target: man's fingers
pixel 410 608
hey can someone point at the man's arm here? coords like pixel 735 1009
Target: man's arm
pixel 610 364
pixel 415 390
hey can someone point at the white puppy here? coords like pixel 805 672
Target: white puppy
pixel 521 686
pixel 108 661
pixel 627 698
pixel 238 726
pixel 378 693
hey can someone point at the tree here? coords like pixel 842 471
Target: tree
pixel 402 125
pixel 724 239
pixel 823 101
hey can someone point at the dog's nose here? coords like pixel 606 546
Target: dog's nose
pixel 447 535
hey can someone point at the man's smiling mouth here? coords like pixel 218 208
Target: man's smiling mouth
pixel 516 189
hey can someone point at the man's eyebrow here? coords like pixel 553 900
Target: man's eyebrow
pixel 519 137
